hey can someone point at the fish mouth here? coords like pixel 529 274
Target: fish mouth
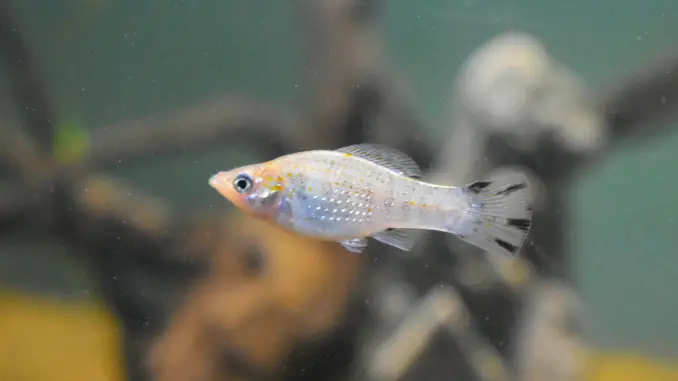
pixel 214 180
pixel 219 179
pixel 221 183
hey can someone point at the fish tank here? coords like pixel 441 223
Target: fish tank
pixel 360 228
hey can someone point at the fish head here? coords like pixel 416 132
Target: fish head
pixel 256 189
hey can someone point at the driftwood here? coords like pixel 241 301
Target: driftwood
pixel 268 290
pixel 202 308
pixel 514 106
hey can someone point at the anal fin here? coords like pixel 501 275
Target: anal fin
pixel 399 238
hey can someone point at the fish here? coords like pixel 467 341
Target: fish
pixel 368 190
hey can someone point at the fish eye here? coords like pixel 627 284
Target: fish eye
pixel 242 183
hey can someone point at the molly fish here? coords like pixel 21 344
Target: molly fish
pixel 368 190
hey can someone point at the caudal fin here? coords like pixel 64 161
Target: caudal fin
pixel 501 213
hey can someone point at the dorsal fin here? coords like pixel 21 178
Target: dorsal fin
pixel 388 157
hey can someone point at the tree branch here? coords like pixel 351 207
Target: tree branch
pixel 18 154
pixel 14 205
pixel 343 56
pixel 209 124
pixel 647 98
pixel 27 84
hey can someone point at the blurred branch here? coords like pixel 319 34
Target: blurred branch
pixel 200 127
pixel 18 154
pixel 343 53
pixel 267 291
pixel 440 308
pixel 128 239
pixel 549 344
pixel 23 200
pixel 349 96
pixel 516 106
pixel 27 84
pixel 61 197
pixel 101 198
pixel 645 99
pixel 14 206
pixel 355 98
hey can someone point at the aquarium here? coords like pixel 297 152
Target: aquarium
pixel 338 190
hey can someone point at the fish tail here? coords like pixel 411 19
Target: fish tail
pixel 500 213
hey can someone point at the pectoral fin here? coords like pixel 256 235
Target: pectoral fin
pixel 355 245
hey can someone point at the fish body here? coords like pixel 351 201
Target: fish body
pixel 368 190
